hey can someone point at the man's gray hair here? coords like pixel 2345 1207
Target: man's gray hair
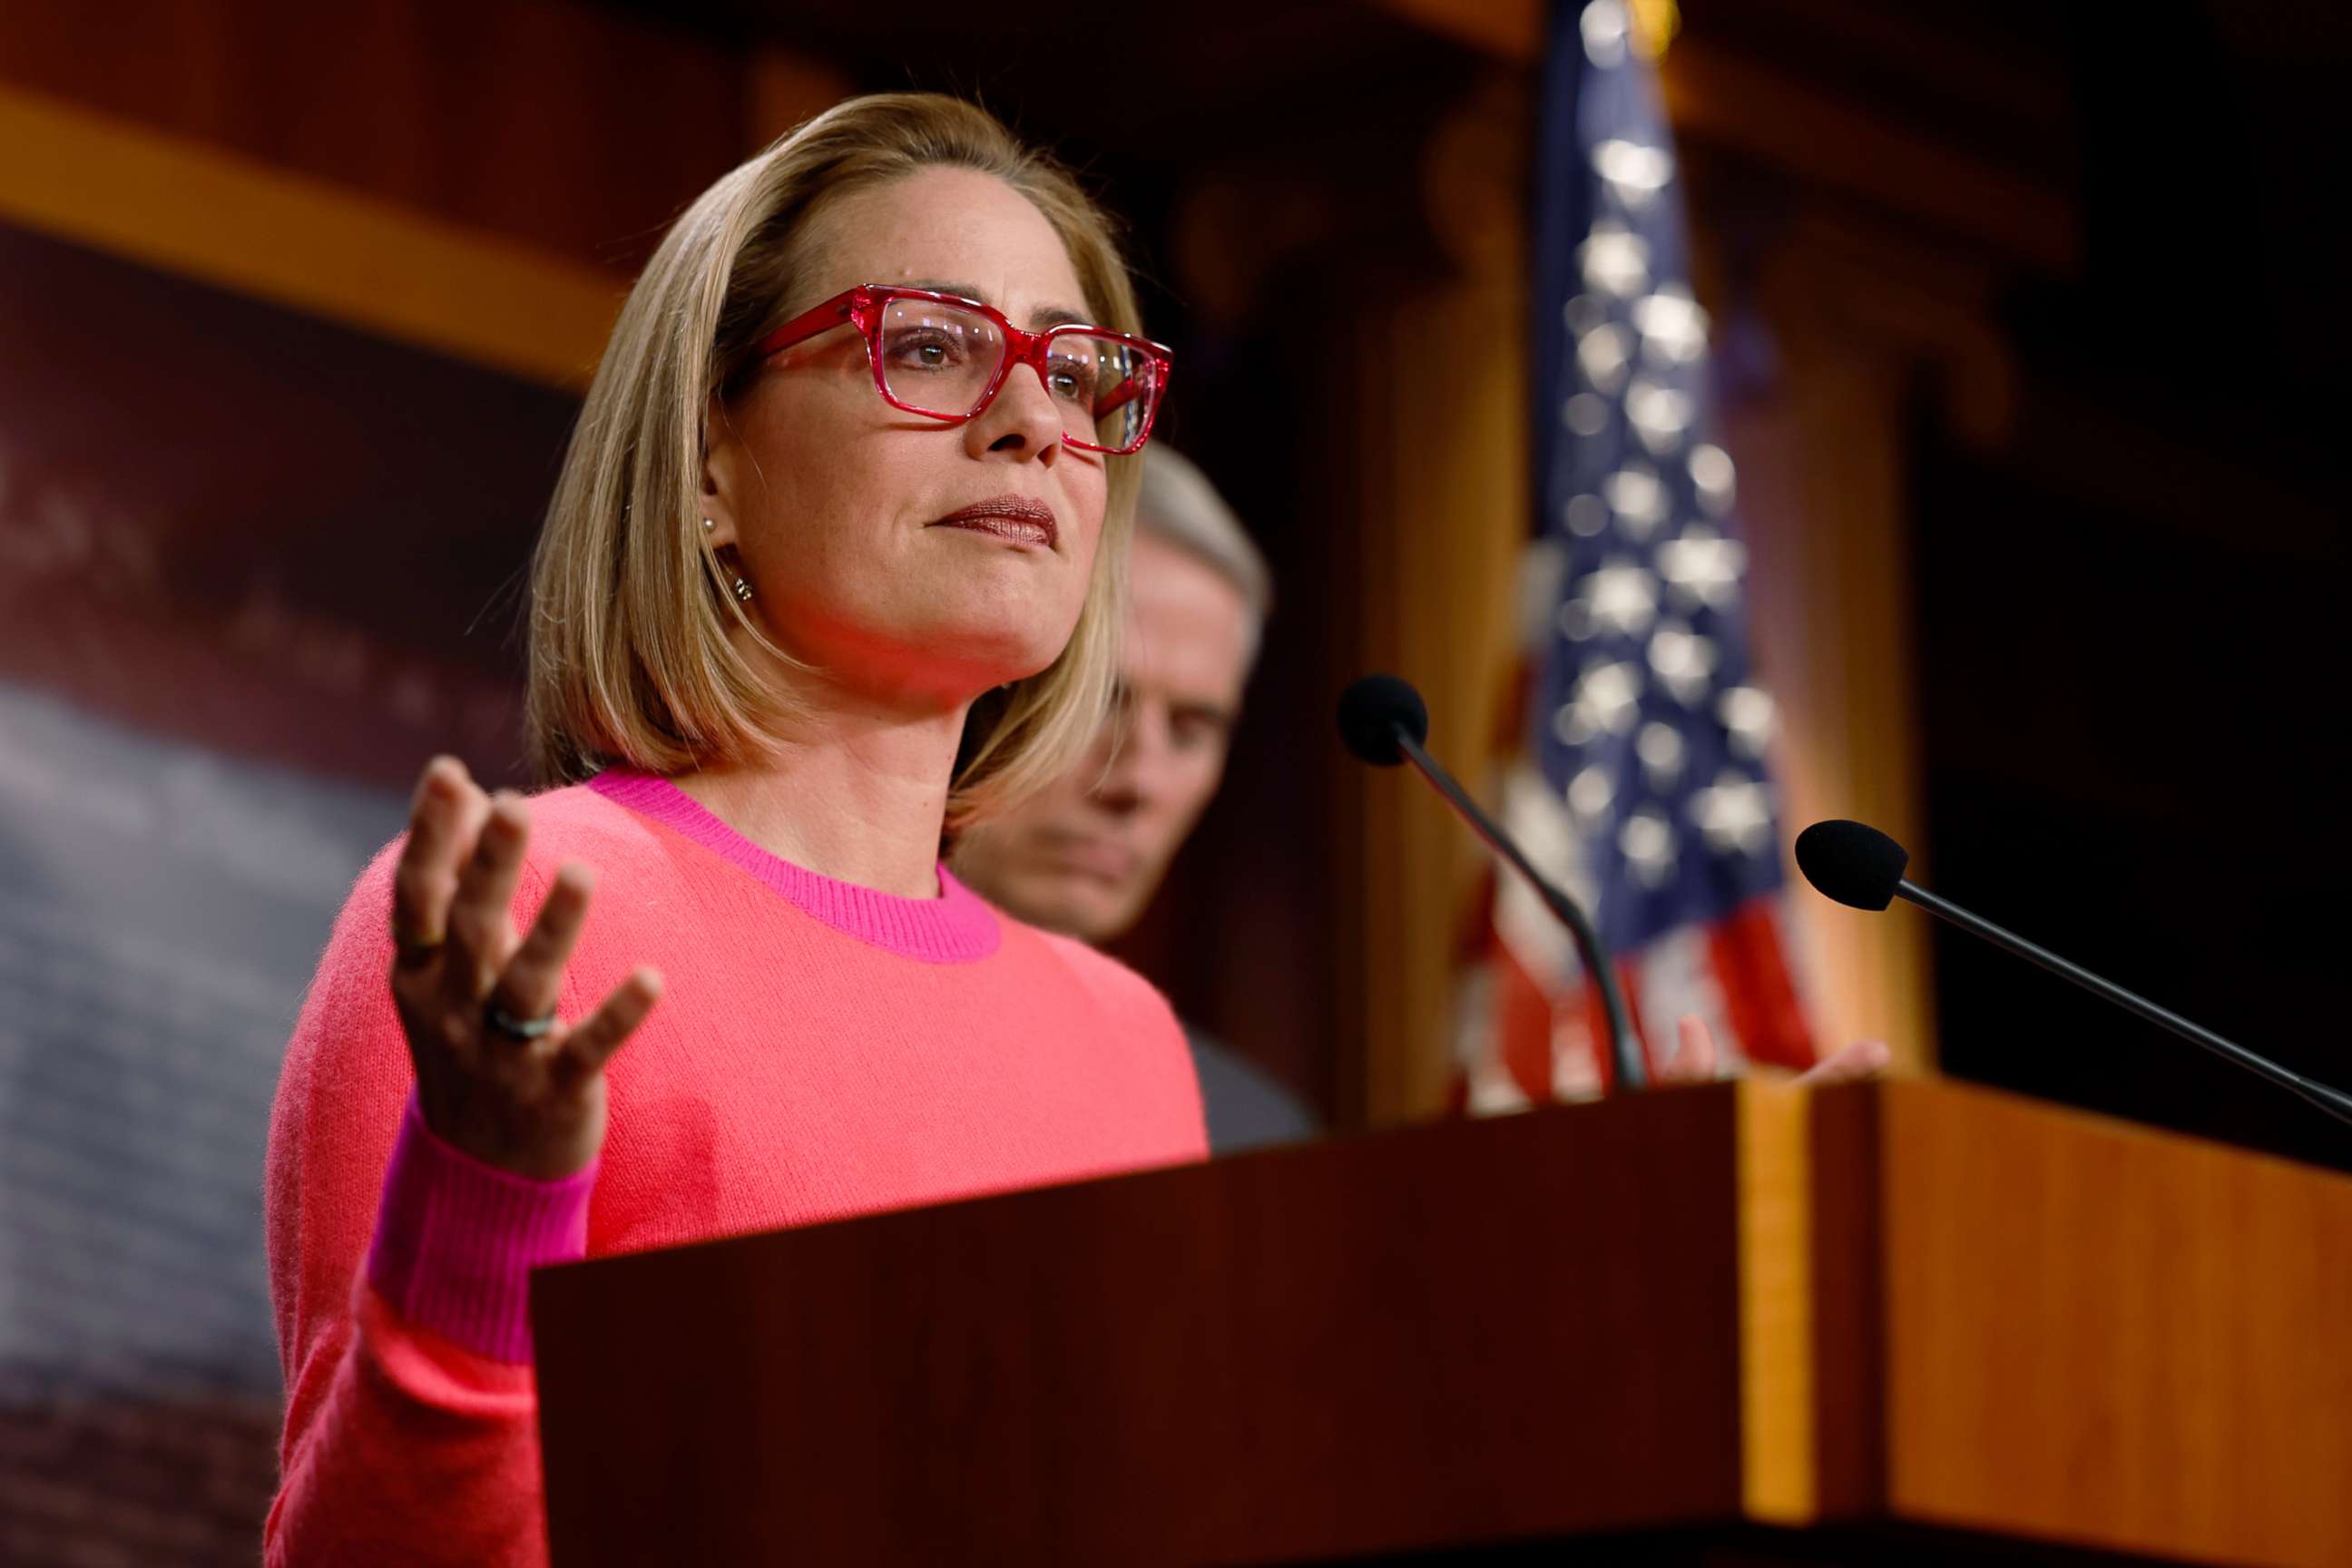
pixel 1179 506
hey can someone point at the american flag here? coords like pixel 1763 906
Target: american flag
pixel 1641 782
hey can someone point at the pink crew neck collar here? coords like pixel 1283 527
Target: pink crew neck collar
pixel 956 927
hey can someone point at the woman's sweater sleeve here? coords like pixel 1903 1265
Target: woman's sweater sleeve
pixel 399 1269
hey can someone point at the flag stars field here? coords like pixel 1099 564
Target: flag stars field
pixel 1736 814
pixel 1673 327
pixel 1616 260
pixel 1747 715
pixel 1622 598
pixel 1702 567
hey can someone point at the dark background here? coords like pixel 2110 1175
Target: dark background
pixel 2132 645
pixel 289 546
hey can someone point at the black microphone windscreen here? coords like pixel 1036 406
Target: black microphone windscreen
pixel 1852 862
pixel 1374 710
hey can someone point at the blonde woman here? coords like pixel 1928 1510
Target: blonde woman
pixel 832 569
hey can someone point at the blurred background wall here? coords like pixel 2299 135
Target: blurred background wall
pixel 2027 348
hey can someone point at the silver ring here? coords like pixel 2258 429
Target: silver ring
pixel 498 1020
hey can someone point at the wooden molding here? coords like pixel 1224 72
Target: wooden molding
pixel 188 208
pixel 1510 29
pixel 1776 1319
pixel 1714 96
pixel 1717 97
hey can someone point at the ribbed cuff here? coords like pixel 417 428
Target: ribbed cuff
pixel 455 1240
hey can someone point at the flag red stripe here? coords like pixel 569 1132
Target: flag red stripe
pixel 1522 1020
pixel 1757 995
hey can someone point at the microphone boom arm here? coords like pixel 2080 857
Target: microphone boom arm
pixel 1625 1054
pixel 2334 1102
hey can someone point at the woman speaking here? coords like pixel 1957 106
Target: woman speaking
pixel 832 569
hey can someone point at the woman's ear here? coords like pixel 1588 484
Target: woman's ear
pixel 724 463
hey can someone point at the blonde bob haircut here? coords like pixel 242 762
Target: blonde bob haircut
pixel 631 658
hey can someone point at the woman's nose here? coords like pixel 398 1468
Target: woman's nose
pixel 1024 418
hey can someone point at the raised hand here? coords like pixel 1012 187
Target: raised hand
pixel 1696 1060
pixel 498 1076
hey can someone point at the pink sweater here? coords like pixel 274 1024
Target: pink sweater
pixel 820 1050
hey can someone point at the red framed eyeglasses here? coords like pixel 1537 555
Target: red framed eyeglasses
pixel 946 357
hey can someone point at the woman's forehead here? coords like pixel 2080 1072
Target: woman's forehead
pixel 958 231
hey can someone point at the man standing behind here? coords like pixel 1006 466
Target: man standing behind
pixel 1085 856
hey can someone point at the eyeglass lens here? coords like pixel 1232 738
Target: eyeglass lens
pixel 939 359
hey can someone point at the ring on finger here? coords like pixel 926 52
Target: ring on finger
pixel 412 951
pixel 498 1021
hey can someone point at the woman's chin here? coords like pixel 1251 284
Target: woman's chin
pixel 966 661
pixel 1019 663
pixel 1009 643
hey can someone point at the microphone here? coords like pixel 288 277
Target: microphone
pixel 1862 867
pixel 1383 720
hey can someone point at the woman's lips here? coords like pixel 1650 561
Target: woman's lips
pixel 1014 518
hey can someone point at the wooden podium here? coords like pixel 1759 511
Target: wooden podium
pixel 1902 1321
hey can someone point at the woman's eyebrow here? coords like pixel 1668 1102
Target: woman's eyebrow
pixel 1043 317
